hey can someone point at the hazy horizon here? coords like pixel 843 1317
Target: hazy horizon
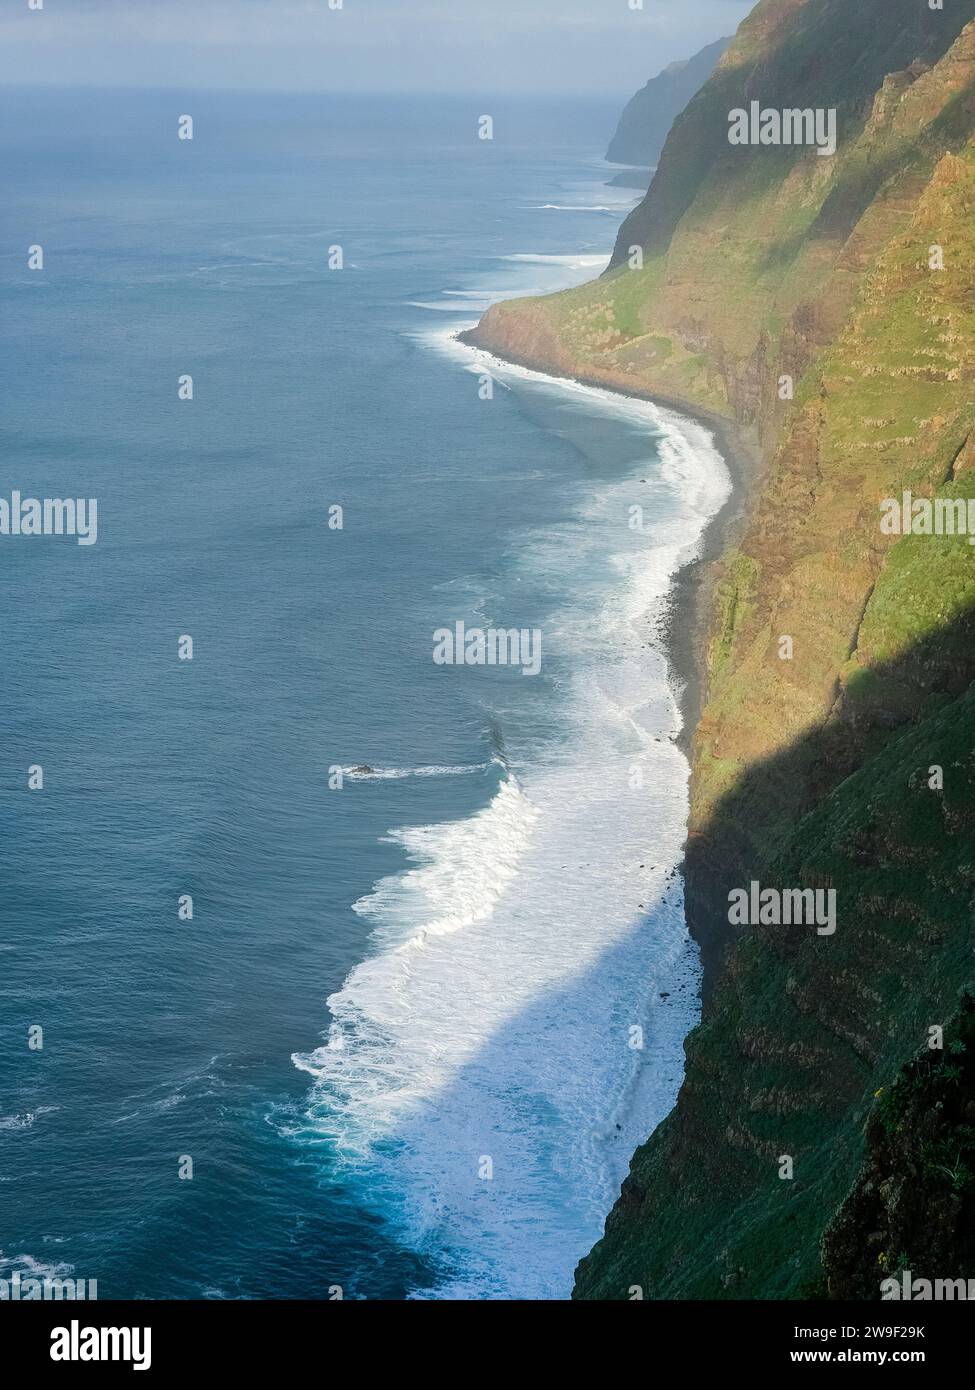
pixel 561 47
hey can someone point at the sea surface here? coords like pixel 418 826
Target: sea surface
pixel 422 1014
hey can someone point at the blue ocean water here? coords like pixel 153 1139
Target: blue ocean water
pixel 493 914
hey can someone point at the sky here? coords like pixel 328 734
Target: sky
pixel 578 46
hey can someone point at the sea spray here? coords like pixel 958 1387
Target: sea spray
pixel 479 1085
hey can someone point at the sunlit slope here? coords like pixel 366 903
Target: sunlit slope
pixel 827 305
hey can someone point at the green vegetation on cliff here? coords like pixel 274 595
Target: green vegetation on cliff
pixel 915 1194
pixel 827 305
pixel 803 1031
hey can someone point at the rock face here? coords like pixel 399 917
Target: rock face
pixel 803 298
pixel 647 117
pixel 913 1203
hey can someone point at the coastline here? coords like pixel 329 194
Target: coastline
pixel 686 630
pixel 689 608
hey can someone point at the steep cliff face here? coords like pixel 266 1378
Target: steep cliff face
pixel 912 1207
pixel 646 120
pixel 827 305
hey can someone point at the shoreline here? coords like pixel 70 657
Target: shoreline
pixel 688 611
pixel 687 623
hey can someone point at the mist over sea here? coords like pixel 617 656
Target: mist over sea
pixel 492 912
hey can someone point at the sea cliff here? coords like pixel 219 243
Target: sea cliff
pixel 646 120
pixel 825 308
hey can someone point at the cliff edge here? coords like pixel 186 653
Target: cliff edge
pixel 825 303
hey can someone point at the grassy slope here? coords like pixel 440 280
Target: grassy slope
pixel 747 262
pixel 809 771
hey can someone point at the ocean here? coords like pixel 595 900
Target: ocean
pixel 422 1012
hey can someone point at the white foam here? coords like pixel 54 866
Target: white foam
pixel 446 306
pixel 27 1119
pixel 464 869
pixel 31 1268
pixel 585 262
pixel 513 958
pixel 572 207
pixel 363 773
pixel 691 462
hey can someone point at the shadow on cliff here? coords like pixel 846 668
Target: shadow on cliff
pixel 801 1033
pixel 505 1102
pixel 750 823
